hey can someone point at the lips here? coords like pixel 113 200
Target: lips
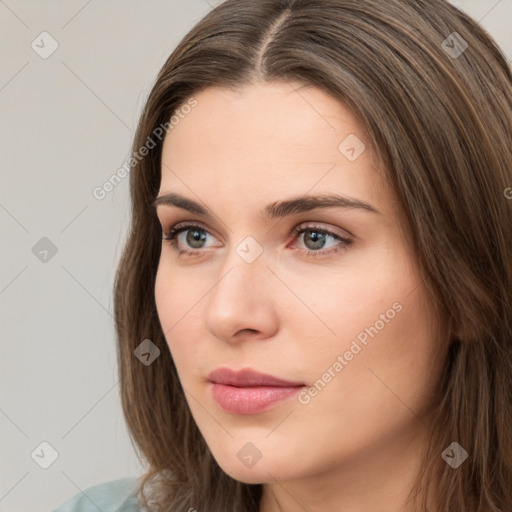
pixel 248 391
pixel 248 378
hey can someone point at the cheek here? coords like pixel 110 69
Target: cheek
pixel 176 294
pixel 344 304
pixel 174 303
pixel 378 388
pixel 165 297
pixel 410 345
pixel 394 369
pixel 379 316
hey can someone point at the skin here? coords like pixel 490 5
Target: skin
pixel 358 441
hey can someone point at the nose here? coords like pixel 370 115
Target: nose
pixel 242 303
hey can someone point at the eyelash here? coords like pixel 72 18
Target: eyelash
pixel 173 232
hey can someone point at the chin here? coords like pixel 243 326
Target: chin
pixel 248 477
pixel 264 470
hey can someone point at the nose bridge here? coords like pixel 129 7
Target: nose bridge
pixel 243 269
pixel 241 298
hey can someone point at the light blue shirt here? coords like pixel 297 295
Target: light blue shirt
pixel 114 496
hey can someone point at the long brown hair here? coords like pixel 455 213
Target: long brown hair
pixel 435 93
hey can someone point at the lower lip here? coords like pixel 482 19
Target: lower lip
pixel 251 400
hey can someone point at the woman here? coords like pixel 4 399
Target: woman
pixel 362 147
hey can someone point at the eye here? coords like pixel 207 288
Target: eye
pixel 315 238
pixel 195 236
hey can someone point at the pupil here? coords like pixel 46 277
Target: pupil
pixel 316 238
pixel 196 237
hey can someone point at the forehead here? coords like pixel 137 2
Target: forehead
pixel 267 119
pixel 267 137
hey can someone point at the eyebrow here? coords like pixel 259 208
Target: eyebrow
pixel 274 210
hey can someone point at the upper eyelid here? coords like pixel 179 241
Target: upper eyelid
pixel 197 222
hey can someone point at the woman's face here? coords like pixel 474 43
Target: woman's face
pixel 336 309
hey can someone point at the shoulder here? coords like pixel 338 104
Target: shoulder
pixel 113 496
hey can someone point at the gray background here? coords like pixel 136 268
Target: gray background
pixel 67 123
